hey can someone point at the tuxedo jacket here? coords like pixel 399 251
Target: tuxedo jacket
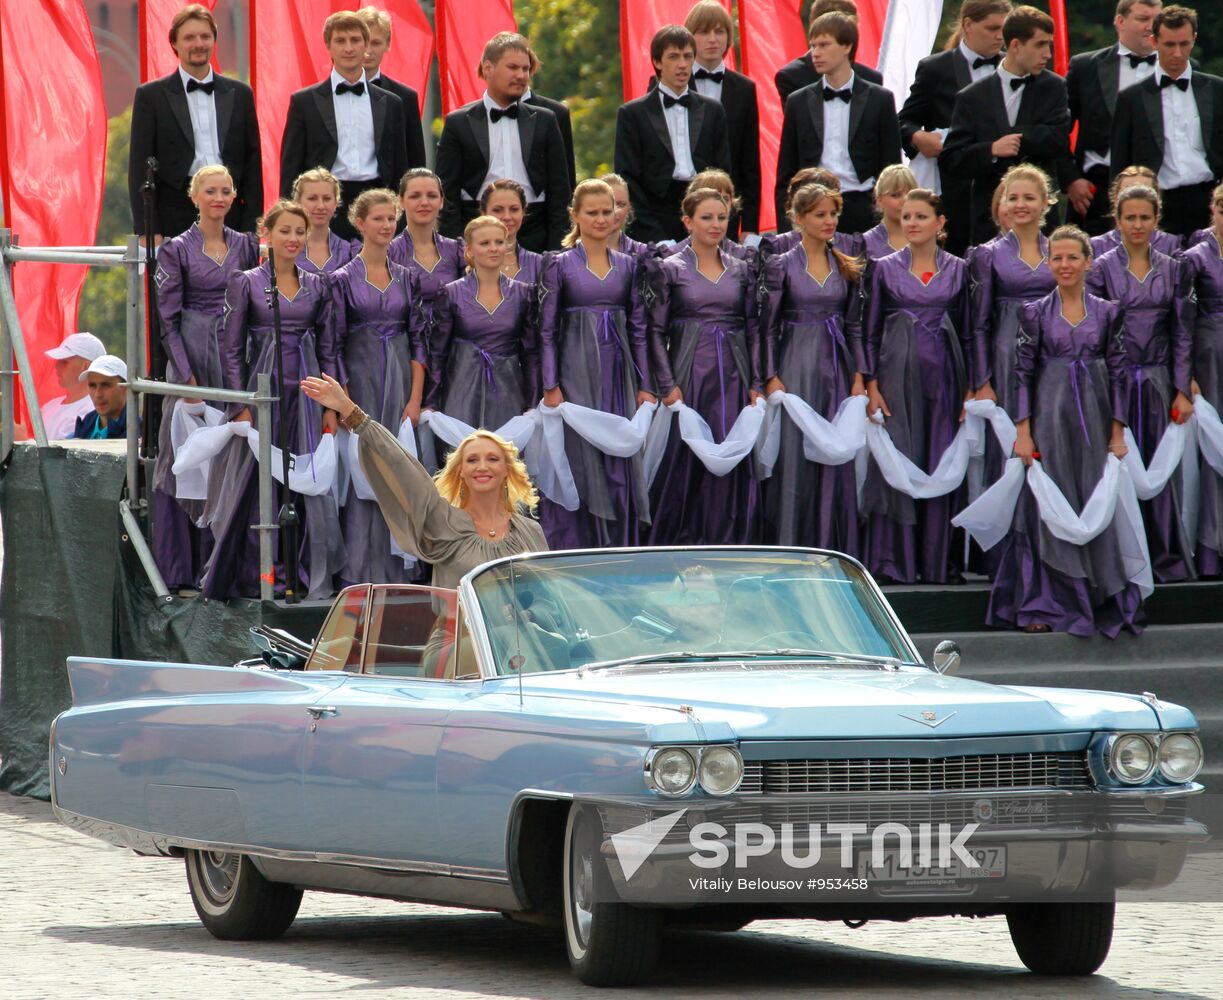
pixel 874 136
pixel 310 138
pixel 646 161
pixel 413 137
pixel 161 127
pixel 566 126
pixel 931 101
pixel 462 164
pixel 1138 124
pixel 980 118
pixel 800 72
pixel 743 136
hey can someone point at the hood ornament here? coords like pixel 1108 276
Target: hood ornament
pixel 930 719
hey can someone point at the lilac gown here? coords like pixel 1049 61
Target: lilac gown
pixel 592 335
pixel 704 338
pixel 1203 263
pixel 342 251
pixel 530 266
pixel 191 304
pixel 812 342
pixel 1201 236
pixel 449 267
pixel 729 247
pixel 1165 243
pixel 848 243
pixel 1072 384
pixel 917 344
pixel 634 248
pixel 1157 313
pixel 483 366
pixel 875 243
pixel 378 334
pixel 307 334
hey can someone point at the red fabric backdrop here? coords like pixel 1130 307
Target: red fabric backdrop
pixel 872 15
pixel 639 19
pixel 770 34
pixel 411 49
pixel 463 28
pixel 157 58
pixel 1061 36
pixel 52 156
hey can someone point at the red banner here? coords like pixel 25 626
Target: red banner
pixel 770 34
pixel 872 16
pixel 1061 37
pixel 411 52
pixel 639 19
pixel 157 57
pixel 463 29
pixel 52 158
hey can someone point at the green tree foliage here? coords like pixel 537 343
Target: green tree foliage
pixel 103 308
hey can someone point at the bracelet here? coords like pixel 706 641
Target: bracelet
pixel 355 418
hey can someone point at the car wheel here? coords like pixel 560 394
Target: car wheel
pixel 1062 939
pixel 235 902
pixel 609 944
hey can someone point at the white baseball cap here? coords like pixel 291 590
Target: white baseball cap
pixel 78 345
pixel 107 365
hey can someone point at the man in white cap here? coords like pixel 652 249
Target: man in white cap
pixel 103 379
pixel 72 357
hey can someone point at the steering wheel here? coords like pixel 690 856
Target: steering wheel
pixel 793 638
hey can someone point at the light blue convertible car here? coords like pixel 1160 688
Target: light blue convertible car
pixel 512 745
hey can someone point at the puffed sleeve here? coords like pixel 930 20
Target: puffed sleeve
pixel 170 280
pixel 1097 280
pixel 770 291
pixel 233 349
pixel 872 318
pixel 1027 349
pixel 548 304
pixel 981 304
pixel 1113 317
pixel 338 291
pixel 1181 324
pixel 656 280
pixel 445 307
pixel 635 324
pixel 324 324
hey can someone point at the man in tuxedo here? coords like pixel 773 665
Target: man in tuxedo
pixel 1094 80
pixel 378 23
pixel 502 136
pixel 1172 122
pixel 712 31
pixel 1018 115
pixel 191 119
pixel 559 109
pixel 801 72
pixel 667 137
pixel 844 124
pixel 345 125
pixel 973 54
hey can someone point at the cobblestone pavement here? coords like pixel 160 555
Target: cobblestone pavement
pixel 81 919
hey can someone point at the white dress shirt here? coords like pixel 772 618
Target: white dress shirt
pixel 1129 76
pixel 708 88
pixel 356 157
pixel 677 126
pixel 1185 162
pixel 981 72
pixel 835 156
pixel 505 152
pixel 203 111
pixel 1012 97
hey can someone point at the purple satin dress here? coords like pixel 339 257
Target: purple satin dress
pixel 918 344
pixel 850 244
pixel 875 243
pixel 635 248
pixel 592 335
pixel 729 247
pixel 704 338
pixel 341 252
pixel 1072 384
pixel 449 267
pixel 1157 313
pixel 1203 263
pixel 530 266
pixel 813 343
pixel 1165 243
pixel 191 304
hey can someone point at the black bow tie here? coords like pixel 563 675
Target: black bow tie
pixel 378 82
pixel 1023 81
pixel 1136 61
pixel 196 85
pixel 684 101
pixel 845 95
pixel 982 61
pixel 704 74
pixel 356 89
pixel 1182 84
pixel 496 114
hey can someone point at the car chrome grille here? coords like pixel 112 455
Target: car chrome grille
pixel 1062 770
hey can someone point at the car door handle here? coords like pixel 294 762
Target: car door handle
pixel 319 711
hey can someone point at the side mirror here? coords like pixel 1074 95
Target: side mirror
pixel 946 657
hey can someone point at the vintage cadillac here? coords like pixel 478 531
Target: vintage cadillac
pixel 490 748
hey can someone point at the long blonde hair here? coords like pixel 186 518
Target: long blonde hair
pixel 519 490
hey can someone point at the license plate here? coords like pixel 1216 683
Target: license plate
pixel 991 863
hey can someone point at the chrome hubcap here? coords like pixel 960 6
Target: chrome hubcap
pixel 581 880
pixel 219 873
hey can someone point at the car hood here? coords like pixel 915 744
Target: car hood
pixel 800 703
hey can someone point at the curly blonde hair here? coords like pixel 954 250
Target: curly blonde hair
pixel 519 490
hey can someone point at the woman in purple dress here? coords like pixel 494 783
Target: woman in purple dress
pixel 506 200
pixel 1165 243
pixel 894 182
pixel 623 216
pixel 192 272
pixel 1203 263
pixel 437 260
pixel 810 319
pixel 918 353
pixel 847 243
pixel 705 350
pixel 1071 377
pixel 593 352
pixel 719 181
pixel 1156 304
pixel 249 348
pixel 318 192
pixel 379 342
pixel 484 355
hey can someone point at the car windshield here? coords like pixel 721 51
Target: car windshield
pixel 670 606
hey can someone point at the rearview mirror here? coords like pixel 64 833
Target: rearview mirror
pixel 946 657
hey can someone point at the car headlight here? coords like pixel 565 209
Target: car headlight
pixel 1180 757
pixel 721 770
pixel 671 771
pixel 1132 758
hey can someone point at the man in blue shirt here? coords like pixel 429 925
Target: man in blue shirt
pixel 106 377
